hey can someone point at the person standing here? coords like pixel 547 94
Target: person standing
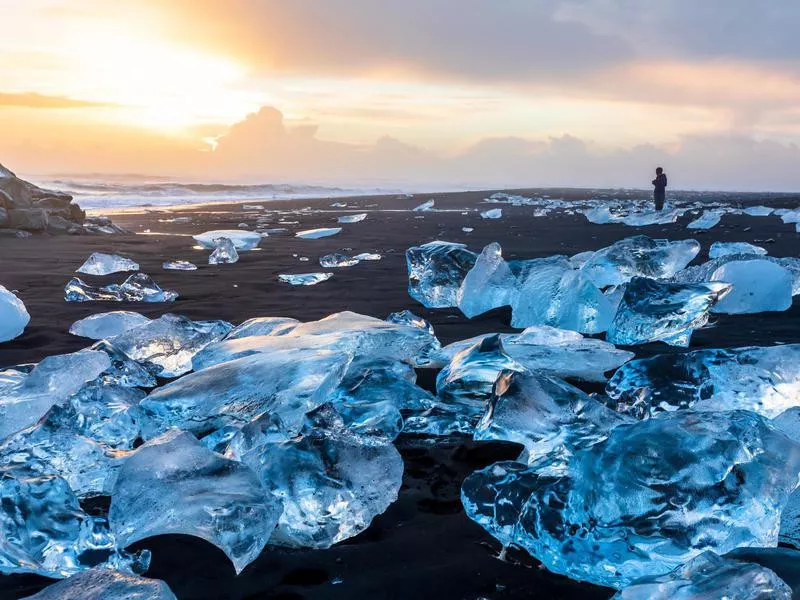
pixel 660 188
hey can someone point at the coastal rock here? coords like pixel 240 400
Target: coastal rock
pixel 29 219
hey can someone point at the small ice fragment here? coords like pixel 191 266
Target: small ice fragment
pixel 108 324
pixel 179 265
pixel 242 240
pixel 252 207
pixel 105 264
pixel 367 256
pixel 305 278
pixel 726 248
pixel 337 260
pixel 353 218
pixel 314 234
pixel 13 315
pixel 338 205
pixel 467 229
pixel 224 253
pixel 137 288
pixel 495 213
pixel 425 206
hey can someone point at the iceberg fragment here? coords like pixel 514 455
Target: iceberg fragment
pixel 102 583
pixel 704 272
pixel 758 211
pixel 106 264
pixel 13 315
pixel 242 240
pixel 263 326
pixel 108 324
pixel 719 249
pixel 337 261
pixel 758 286
pixel 137 288
pixel 707 220
pixel 304 278
pixel 314 234
pixel 224 252
pixel 124 371
pixel 173 484
pixel 652 311
pixel 425 206
pixel 352 218
pixel 489 284
pixel 179 265
pixel 495 213
pixel 436 271
pixel 368 256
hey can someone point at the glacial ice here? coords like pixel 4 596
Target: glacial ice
pixel 602 215
pixel 106 413
pixel 173 484
pixel 707 220
pixel 136 288
pixel 108 324
pixel 337 260
pixel 653 311
pixel 332 481
pixel 719 249
pixel 765 380
pixel 106 264
pixel 710 577
pixel 224 252
pixel 705 271
pixel 436 271
pixel 639 256
pixel 758 286
pixel 169 342
pixel 262 326
pixel 124 371
pixel 304 278
pixel 425 206
pixel 13 315
pixel 101 583
pixel 352 218
pixel 368 256
pixel 650 497
pixel 314 234
pixel 790 216
pixel 242 240
pixel 495 213
pixel 179 265
pixel 489 284
pixel 758 211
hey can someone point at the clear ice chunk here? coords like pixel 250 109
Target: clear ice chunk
pixel 125 371
pixel 495 213
pixel 315 234
pixel 173 484
pixel 648 498
pixel 304 278
pixel 242 240
pixel 179 265
pixel 332 481
pixel 707 220
pixel 108 324
pixel 102 583
pixel 13 315
pixel 639 256
pixel 652 311
pixel 791 216
pixel 719 249
pixel 765 380
pixel 137 288
pixel 368 256
pixel 352 218
pixel 170 342
pixel 758 286
pixel 106 264
pixel 106 413
pixel 337 260
pixel 436 271
pixel 705 272
pixel 224 252
pixel 758 211
pixel 489 284
pixel 710 577
pixel 425 206
pixel 263 326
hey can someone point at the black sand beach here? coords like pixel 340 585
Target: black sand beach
pixel 423 546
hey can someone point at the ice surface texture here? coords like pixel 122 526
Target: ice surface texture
pixel 106 264
pixel 105 584
pixel 13 315
pixel 436 271
pixel 108 324
pixel 136 288
pixel 242 240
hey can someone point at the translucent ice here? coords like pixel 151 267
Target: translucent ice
pixel 332 482
pixel 102 583
pixel 242 240
pixel 170 342
pixel 425 206
pixel 137 288
pixel 763 380
pixel 13 315
pixel 791 216
pixel 653 311
pixel 337 260
pixel 436 271
pixel 710 577
pixel 263 326
pixel 106 264
pixel 650 497
pixel 179 265
pixel 352 218
pixel 106 413
pixel 314 234
pixel 705 272
pixel 726 248
pixel 304 278
pixel 758 211
pixel 369 256
pixel 224 252
pixel 174 484
pixel 639 256
pixel 124 371
pixel 108 324
pixel 495 213
pixel 707 220
pixel 488 285
pixel 758 286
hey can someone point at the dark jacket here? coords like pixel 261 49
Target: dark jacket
pixel 661 183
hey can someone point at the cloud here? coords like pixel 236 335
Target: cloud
pixel 32 100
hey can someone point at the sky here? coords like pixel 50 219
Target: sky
pixel 500 93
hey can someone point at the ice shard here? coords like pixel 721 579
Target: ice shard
pixel 13 315
pixel 137 288
pixel 357 218
pixel 758 286
pixel 489 284
pixel 652 311
pixel 425 206
pixel 436 271
pixel 173 484
pixel 102 583
pixel 710 577
pixel 332 481
pixel 106 264
pixel 304 278
pixel 495 213
pixel 719 249
pixel 639 256
pixel 765 380
pixel 179 265
pixel 224 252
pixel 337 260
pixel 263 326
pixel 242 240
pixel 170 342
pixel 108 324
pixel 647 499
pixel 707 220
pixel 315 234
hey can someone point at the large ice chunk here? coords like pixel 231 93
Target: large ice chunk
pixel 106 264
pixel 13 315
pixel 710 577
pixel 758 286
pixel 170 342
pixel 174 484
pixel 705 272
pixel 726 248
pixel 136 288
pixel 650 497
pixel 332 482
pixel 762 380
pixel 639 256
pixel 488 285
pixel 242 240
pixel 758 211
pixel 224 252
pixel 436 271
pixel 653 311
pixel 102 583
pixel 108 324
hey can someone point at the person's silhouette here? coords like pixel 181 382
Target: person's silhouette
pixel 660 188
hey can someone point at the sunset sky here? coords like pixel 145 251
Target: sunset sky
pixel 516 92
